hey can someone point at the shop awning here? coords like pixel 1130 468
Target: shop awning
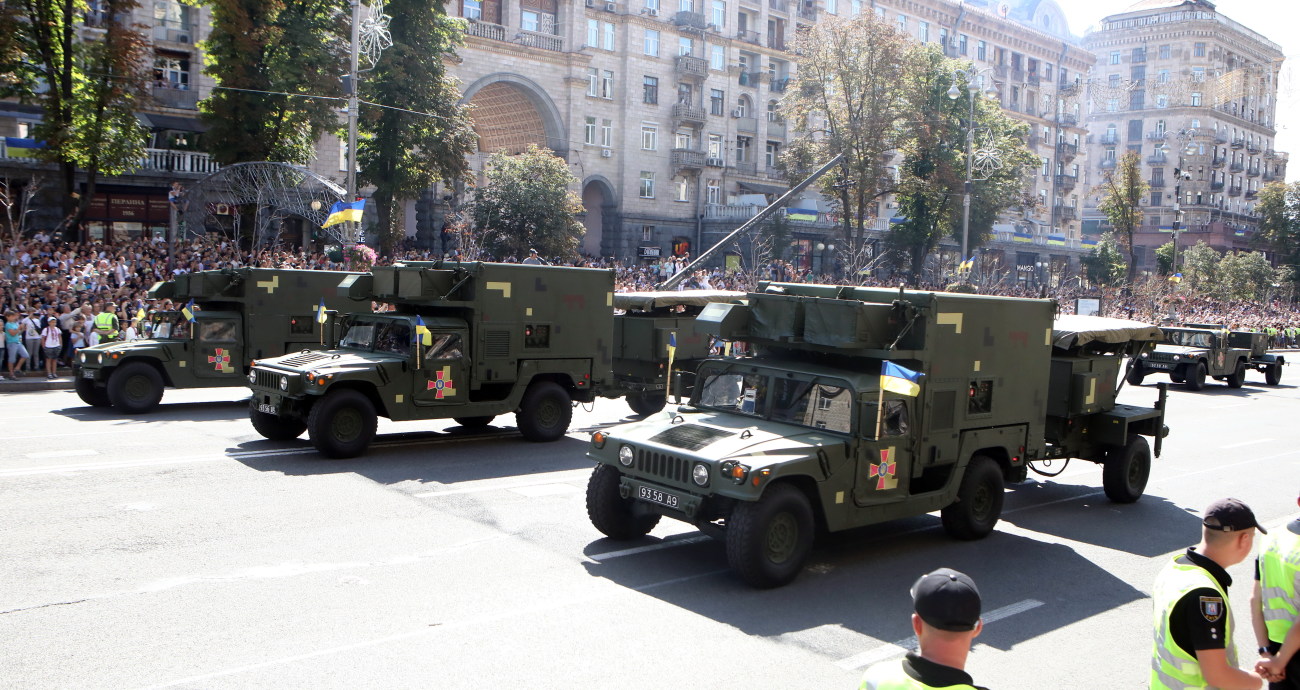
pixel 763 188
pixel 175 123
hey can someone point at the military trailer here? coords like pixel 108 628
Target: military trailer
pixel 1261 360
pixel 239 314
pixel 1189 355
pixel 802 435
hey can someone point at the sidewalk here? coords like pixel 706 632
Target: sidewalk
pixel 36 381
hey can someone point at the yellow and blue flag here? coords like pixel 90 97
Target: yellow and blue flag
pixel 188 310
pixel 1176 278
pixel 321 316
pixel 900 380
pixel 139 315
pixel 16 147
pixel 807 214
pixel 966 265
pixel 672 348
pixel 422 332
pixel 342 212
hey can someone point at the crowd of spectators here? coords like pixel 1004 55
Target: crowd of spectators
pixel 72 283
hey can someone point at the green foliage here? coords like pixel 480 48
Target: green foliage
pixel 1104 265
pixel 1244 276
pixel 1279 224
pixel 1165 259
pixel 403 152
pixel 1200 267
pixel 1123 192
pixel 526 203
pixel 289 46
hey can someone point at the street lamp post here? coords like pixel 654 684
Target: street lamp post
pixel 973 92
pixel 1180 174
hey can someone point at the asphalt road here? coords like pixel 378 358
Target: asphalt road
pixel 180 549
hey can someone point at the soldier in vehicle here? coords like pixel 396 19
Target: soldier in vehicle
pixel 946 621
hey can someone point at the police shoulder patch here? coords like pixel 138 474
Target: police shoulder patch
pixel 1212 608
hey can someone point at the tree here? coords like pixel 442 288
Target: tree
pixel 1279 224
pixel 847 98
pixel 527 203
pixel 1200 267
pixel 425 133
pixel 257 47
pixel 1244 276
pixel 1123 193
pixel 1165 259
pixel 1104 265
pixel 92 89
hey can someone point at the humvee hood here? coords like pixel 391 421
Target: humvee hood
pixel 336 360
pixel 1178 350
pixel 730 439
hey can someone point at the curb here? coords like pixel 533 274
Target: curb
pixel 36 383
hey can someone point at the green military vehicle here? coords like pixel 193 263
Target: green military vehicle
pixel 501 338
pixel 1261 360
pixel 802 435
pixel 239 314
pixel 1189 355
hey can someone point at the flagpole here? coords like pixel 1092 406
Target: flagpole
pixel 880 410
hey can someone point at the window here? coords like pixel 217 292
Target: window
pixel 682 190
pixel 650 90
pixel 1114 57
pixel 530 21
pixel 962 41
pixel 1164 52
pixel 647 186
pixel 1137 100
pixel 606 133
pixel 608 43
pixel 743 149
pixel 473 9
pixel 217 331
pixel 652 5
pixel 719 13
pixel 1198 50
pixel 1196 98
pixel 833 6
pixel 606 84
pixel 742 107
pixel 772 154
pixel 171 72
pixel 686 5
pixel 1162 101
pixel 902 23
pixel 685 45
pixel 651 43
pixel 683 140
pixel 1112 105
pixel 772 114
pixel 647 233
pixel 1138 74
pixel 593 33
pixel 649 137
pixel 1045 166
pixel 685 93
pixel 717 101
pixel 1162 77
pixel 589 130
pixel 1155 198
pixel 981 50
pixel 593 81
pixel 715 146
pixel 1198 74
pixel 1139 54
pixel 1113 81
pixel 717 58
pixel 923 32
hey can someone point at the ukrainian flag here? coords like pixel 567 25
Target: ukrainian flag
pixel 1176 278
pixel 1089 242
pixel 672 348
pixel 807 214
pixel 1056 240
pixel 22 148
pixel 321 316
pixel 900 380
pixel 966 265
pixel 1022 237
pixel 422 332
pixel 341 212
pixel 188 310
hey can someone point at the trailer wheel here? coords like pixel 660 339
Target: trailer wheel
pixel 1125 471
pixel 1238 375
pixel 474 422
pixel 135 387
pixel 646 404
pixel 1136 374
pixel 90 393
pixel 545 412
pixel 275 427
pixel 615 516
pixel 342 424
pixel 768 540
pixel 979 501
pixel 1273 374
pixel 1194 376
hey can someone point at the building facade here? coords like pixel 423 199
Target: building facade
pixel 1195 94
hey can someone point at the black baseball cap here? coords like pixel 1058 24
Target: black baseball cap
pixel 1231 515
pixel 947 599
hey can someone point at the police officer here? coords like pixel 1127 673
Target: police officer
pixel 106 323
pixel 1193 622
pixel 1275 607
pixel 947 619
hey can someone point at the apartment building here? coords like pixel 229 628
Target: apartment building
pixel 1195 94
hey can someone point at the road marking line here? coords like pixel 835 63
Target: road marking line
pixel 901 647
pixel 667 543
pixel 545 490
pixel 61 453
pixel 549 478
pixel 1245 443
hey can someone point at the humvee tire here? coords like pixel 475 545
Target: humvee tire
pixel 1194 376
pixel 545 412
pixel 1237 377
pixel 135 387
pixel 646 404
pixel 342 424
pixel 90 393
pixel 275 427
pixel 1125 471
pixel 1272 374
pixel 474 422
pixel 612 514
pixel 979 501
pixel 768 540
pixel 1135 375
pixel 1176 376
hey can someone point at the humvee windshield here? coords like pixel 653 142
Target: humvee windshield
pixel 170 325
pixel 1190 338
pixel 379 335
pixel 816 403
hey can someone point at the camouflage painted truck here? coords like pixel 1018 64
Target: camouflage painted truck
pixel 501 338
pixel 1189 355
pixel 1260 359
pixel 240 314
pixel 801 436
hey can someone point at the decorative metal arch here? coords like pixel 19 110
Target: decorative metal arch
pixel 275 191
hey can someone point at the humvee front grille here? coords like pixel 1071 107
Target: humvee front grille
pixel 266 379
pixel 664 466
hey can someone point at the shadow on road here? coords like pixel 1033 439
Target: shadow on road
pixel 220 410
pixel 1217 388
pixel 1150 527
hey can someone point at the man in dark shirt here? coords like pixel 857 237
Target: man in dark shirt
pixel 946 621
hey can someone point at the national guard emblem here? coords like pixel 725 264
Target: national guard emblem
pixel 1212 608
pixel 884 472
pixel 442 385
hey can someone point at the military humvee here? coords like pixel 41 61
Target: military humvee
pixel 1189 355
pixel 500 338
pixel 1270 365
pixel 239 314
pixel 803 436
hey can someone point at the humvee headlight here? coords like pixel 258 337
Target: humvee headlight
pixel 598 439
pixel 284 383
pixel 734 471
pixel 82 356
pixel 252 377
pixel 625 456
pixel 700 474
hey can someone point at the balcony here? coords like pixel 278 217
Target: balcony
pixel 1107 164
pixel 1065 213
pixel 776 129
pixel 691 21
pixel 1066 152
pixel 1269 153
pixel 1033 79
pixel 1252 193
pixel 174 32
pixel 1234 190
pixel 1017 74
pixel 1068 119
pixel 1268 176
pixel 1156 184
pixel 774 42
pixel 1236 167
pixel 1157 159
pixel 688 159
pixel 747 124
pixel 746 167
pixel 1221 136
pixel 689 114
pixel 750 36
pixel 1253 172
pixel 532 39
pixel 780 84
pixel 1159 135
pixel 169 96
pixel 779 5
pixel 730 211
pixel 1066 181
pixel 691 66
pixel 1252 147
pixel 1238 143
pixel 1216 186
pixel 1109 140
pixel 752 78
pixel 1218 162
pixel 179 161
pixel 808 10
